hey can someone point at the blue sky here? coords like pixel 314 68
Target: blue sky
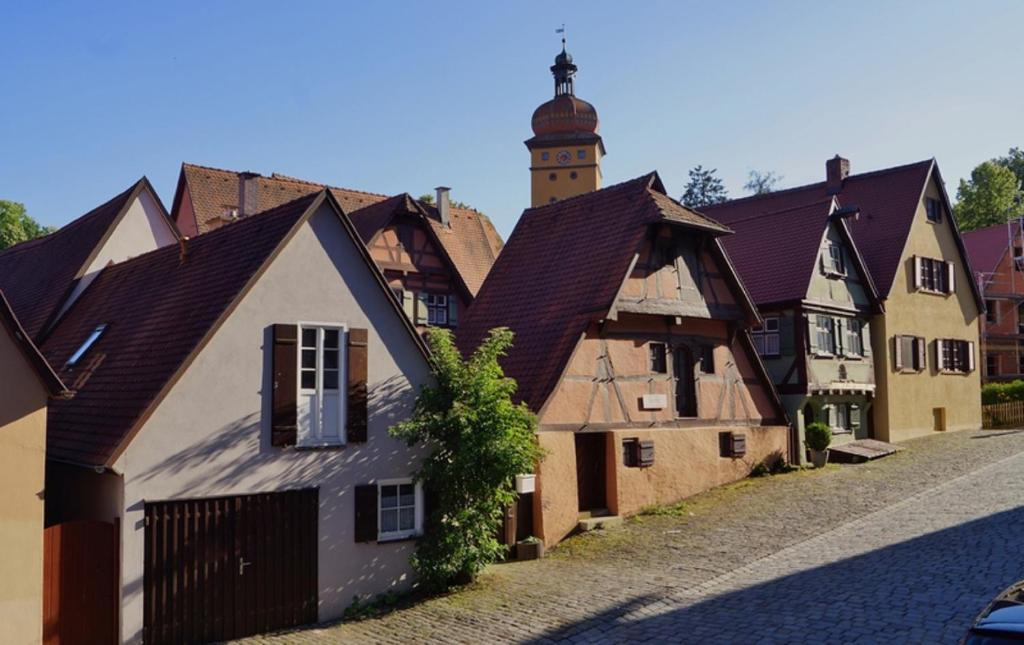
pixel 394 97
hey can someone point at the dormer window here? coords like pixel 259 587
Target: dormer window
pixel 833 262
pixel 89 342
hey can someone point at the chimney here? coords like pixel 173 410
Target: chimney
pixel 443 206
pixel 836 170
pixel 182 248
pixel 248 199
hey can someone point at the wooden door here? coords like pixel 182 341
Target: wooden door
pixel 686 392
pixel 227 567
pixel 80 583
pixel 590 471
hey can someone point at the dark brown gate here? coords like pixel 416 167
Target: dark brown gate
pixel 227 567
pixel 590 471
pixel 80 590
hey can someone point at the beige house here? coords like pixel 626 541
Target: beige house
pixel 925 341
pixel 233 395
pixel 26 385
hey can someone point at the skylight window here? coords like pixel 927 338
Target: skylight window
pixel 89 342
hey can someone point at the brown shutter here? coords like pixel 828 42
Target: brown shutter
pixel 355 426
pixel 366 513
pixel 922 355
pixel 284 427
pixel 897 351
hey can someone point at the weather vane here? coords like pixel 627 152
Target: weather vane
pixel 561 30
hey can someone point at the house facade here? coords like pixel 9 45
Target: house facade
pixel 28 384
pixel 924 342
pixel 640 368
pixel 816 300
pixel 233 395
pixel 435 256
pixel 998 261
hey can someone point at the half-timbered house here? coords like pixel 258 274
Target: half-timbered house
pixel 435 256
pixel 632 346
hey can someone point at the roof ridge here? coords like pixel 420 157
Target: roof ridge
pixel 569 200
pixel 215 169
pixel 862 175
pixel 782 211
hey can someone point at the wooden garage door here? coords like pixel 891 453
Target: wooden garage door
pixel 227 567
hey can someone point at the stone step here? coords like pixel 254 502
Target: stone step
pixel 602 522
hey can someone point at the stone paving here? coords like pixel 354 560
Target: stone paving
pixel 905 549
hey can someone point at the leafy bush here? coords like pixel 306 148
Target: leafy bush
pixel 1002 392
pixel 818 436
pixel 479 441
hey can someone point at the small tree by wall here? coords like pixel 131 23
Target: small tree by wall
pixel 479 440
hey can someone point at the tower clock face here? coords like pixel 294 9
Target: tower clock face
pixel 563 157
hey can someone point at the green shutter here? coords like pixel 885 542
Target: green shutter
pixel 453 310
pixel 421 308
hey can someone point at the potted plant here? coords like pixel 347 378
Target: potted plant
pixel 817 438
pixel 529 549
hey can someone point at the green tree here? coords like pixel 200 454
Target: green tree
pixel 16 226
pixel 704 188
pixel 759 183
pixel 479 440
pixel 991 196
pixel 1014 160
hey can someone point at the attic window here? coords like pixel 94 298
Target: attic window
pixel 89 342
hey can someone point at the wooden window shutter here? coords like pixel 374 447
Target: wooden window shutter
pixel 366 513
pixel 812 333
pixel 409 304
pixel 917 272
pixel 938 353
pixel 453 310
pixel 358 362
pixel 970 356
pixel 854 416
pixel 950 277
pixel 865 338
pixel 897 351
pixel 284 418
pixel 839 336
pixel 422 316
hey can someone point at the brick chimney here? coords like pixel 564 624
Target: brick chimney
pixel 444 208
pixel 836 170
pixel 248 198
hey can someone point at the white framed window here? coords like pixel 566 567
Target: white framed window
pixel 437 309
pixel 833 262
pixel 854 341
pixel 399 509
pixel 825 333
pixel 934 276
pixel 321 401
pixel 766 337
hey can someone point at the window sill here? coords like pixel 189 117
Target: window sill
pixel 933 292
pixel 323 445
pixel 852 357
pixel 955 372
pixel 823 355
pixel 842 430
pixel 834 275
pixel 391 539
pixel 907 370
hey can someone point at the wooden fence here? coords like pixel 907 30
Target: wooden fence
pixel 1003 415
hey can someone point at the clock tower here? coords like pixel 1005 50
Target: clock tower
pixel 565 150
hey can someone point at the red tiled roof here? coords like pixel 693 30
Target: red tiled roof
pixel 471 242
pixel 561 268
pixel 987 246
pixel 37 275
pixel 47 377
pixel 887 199
pixel 157 309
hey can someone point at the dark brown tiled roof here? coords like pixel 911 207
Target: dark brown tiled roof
pixel 157 308
pixel 472 242
pixel 562 268
pixel 42 369
pixel 775 253
pixel 887 199
pixel 38 275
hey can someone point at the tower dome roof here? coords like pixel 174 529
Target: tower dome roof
pixel 565 114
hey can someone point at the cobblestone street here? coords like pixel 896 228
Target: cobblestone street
pixel 905 549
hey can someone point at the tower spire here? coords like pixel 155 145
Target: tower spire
pixel 563 69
